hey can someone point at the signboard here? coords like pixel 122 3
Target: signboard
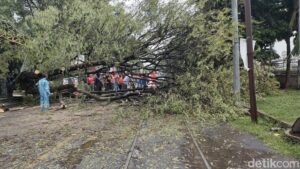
pixel 243 51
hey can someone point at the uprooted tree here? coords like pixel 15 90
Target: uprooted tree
pixel 188 41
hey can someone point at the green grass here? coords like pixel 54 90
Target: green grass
pixel 279 143
pixel 284 105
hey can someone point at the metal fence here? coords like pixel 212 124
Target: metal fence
pixel 280 64
pixel 294 75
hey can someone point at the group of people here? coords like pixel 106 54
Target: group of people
pixel 108 81
pixel 102 82
pixel 120 81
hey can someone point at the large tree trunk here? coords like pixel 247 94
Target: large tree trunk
pixel 108 98
pixel 288 62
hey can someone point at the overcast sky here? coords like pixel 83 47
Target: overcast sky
pixel 280 47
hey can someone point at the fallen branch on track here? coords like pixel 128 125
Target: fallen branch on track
pixel 98 98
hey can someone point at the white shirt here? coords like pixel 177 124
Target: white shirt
pixel 126 80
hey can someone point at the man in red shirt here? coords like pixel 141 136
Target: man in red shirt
pixel 91 81
pixel 153 83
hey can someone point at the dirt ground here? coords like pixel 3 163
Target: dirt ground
pixel 91 136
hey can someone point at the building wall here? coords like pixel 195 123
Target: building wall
pixel 293 80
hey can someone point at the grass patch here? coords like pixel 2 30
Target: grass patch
pixel 262 130
pixel 283 105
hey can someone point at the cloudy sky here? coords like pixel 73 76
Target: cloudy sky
pixel 280 47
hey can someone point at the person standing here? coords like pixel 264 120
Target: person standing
pixel 98 83
pixel 115 81
pixel 153 80
pixel 91 82
pixel 143 81
pixel 102 81
pixel 125 82
pixel 120 81
pixel 153 75
pixel 44 90
pixel 139 81
pixel 108 82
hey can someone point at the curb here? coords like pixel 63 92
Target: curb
pixel 289 135
pixel 274 120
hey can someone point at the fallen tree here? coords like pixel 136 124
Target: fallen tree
pixel 98 98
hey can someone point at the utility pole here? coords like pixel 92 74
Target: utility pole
pixel 299 26
pixel 248 17
pixel 298 70
pixel 236 52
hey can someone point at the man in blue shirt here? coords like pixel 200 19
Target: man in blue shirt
pixel 44 91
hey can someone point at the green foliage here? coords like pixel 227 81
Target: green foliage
pixel 11 36
pixel 265 82
pixel 96 29
pixel 9 7
pixel 210 89
pixel 56 32
pixel 266 56
pixel 271 22
pixel 272 19
pixel 191 40
pixel 204 88
pixel 208 85
pixel 167 104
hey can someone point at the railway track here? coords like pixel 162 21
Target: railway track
pixel 189 132
pixel 132 146
pixel 192 134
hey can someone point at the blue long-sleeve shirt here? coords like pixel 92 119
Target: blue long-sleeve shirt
pixel 43 86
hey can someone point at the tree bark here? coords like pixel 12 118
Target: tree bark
pixel 288 62
pixel 110 98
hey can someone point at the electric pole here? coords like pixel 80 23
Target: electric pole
pixel 253 108
pixel 299 26
pixel 236 52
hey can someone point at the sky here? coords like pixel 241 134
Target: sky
pixel 280 47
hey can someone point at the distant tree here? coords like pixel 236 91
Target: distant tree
pixel 98 30
pixel 272 22
pixel 266 56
